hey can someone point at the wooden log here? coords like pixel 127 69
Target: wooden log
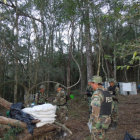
pixel 25 135
pixel 5 103
pixel 13 122
pixel 63 127
pixel 40 131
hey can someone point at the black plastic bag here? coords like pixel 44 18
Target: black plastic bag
pixel 129 137
pixel 17 113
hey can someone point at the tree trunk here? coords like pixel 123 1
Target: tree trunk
pixel 100 47
pixel 82 60
pixel 108 72
pixel 16 60
pixel 104 68
pixel 138 79
pixel 69 57
pixel 26 96
pixel 88 42
pixel 125 71
pixel 115 65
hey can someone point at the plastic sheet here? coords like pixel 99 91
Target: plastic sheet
pixel 129 137
pixel 17 113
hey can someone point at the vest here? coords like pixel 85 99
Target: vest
pixel 112 89
pixel 106 105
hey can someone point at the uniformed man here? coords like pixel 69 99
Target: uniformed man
pixel 114 90
pixel 101 103
pixel 40 97
pixel 61 102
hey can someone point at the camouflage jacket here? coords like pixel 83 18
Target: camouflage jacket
pixel 40 98
pixel 97 100
pixel 60 98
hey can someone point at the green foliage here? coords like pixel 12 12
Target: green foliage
pixel 11 133
pixel 108 57
pixel 134 58
pixel 5 1
pixel 134 55
pixel 66 10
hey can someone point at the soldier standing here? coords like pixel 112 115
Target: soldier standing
pixel 114 90
pixel 101 103
pixel 40 97
pixel 61 102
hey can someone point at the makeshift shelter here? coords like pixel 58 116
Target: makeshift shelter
pixel 128 88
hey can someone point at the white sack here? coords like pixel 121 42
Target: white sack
pixel 45 113
pixel 38 108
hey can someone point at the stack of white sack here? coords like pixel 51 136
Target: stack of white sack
pixel 45 113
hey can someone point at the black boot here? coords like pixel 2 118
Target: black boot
pixel 113 125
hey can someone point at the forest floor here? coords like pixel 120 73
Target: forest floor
pixel 129 118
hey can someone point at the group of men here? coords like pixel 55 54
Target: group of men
pixel 60 100
pixel 103 107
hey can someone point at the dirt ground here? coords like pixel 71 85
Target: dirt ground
pixel 129 118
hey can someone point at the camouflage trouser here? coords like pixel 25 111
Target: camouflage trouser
pixel 89 102
pixel 99 126
pixel 62 113
pixel 114 115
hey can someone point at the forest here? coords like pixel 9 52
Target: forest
pixel 66 42
pixel 39 39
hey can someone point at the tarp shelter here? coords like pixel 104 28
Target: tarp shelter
pixel 17 113
pixel 125 88
pixel 128 88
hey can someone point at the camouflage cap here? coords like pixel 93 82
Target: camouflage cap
pixel 42 86
pixel 56 86
pixel 97 79
pixel 89 80
pixel 111 80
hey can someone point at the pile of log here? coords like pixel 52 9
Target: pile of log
pixel 25 135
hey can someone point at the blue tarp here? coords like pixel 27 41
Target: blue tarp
pixel 17 113
pixel 129 137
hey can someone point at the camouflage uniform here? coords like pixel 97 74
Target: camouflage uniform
pixel 61 102
pixel 40 97
pixel 101 103
pixel 114 90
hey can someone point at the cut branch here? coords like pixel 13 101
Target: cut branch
pixel 63 127
pixel 13 122
pixel 5 103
